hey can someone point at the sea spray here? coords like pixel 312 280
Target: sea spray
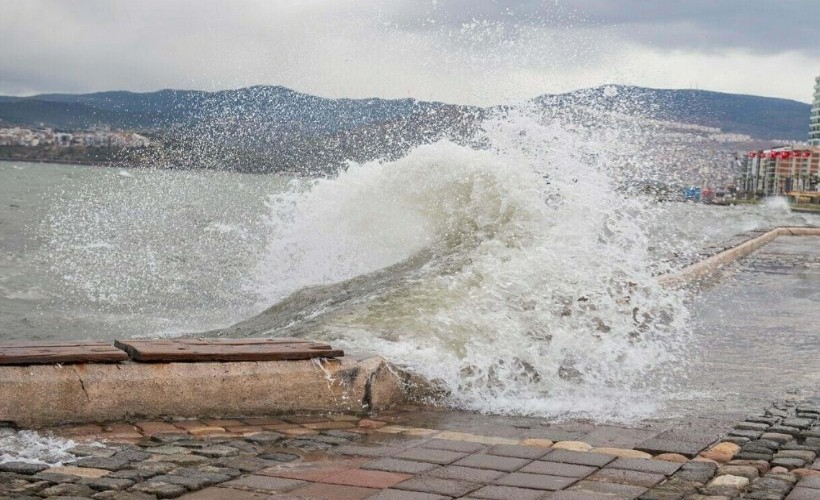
pixel 516 275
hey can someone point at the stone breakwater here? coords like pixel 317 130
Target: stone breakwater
pixel 423 454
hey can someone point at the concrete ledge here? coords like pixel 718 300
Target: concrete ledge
pixel 45 395
pixel 711 264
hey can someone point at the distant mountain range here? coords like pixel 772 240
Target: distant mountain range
pixel 759 117
pixel 281 128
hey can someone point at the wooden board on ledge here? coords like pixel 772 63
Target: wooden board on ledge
pixel 26 352
pixel 223 349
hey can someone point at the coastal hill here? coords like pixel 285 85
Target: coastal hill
pixel 759 117
pixel 272 128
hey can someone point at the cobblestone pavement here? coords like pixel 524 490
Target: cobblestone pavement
pixel 426 454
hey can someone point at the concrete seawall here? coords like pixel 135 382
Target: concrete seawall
pixel 42 395
pixel 711 264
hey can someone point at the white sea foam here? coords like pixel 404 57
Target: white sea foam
pixel 32 447
pixel 521 278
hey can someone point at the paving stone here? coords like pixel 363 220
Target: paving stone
pixel 784 429
pixel 578 458
pixel 91 451
pixel 671 489
pixel 768 443
pixel 170 438
pixel 191 483
pixel 319 491
pixel 406 495
pixel 441 457
pixel 278 457
pixel 762 419
pixel 777 436
pixel 726 485
pixel 746 471
pixel 80 472
pixel 169 450
pixel 311 471
pixel 776 412
pixel 802 494
pixel 747 455
pixel 217 451
pixel 184 460
pixel 107 483
pixel 338 433
pixel 122 495
pixel 810 444
pixel 810 482
pixel 761 465
pixel 799 423
pixel 153 468
pixel 368 451
pixel 517 451
pixel 264 438
pixel 771 484
pixel 218 493
pixel 535 481
pixel 264 483
pixel 507 493
pixel 468 474
pixel 54 477
pixel 366 478
pixel 24 468
pixel 621 476
pixel 698 472
pixel 67 490
pixel 402 466
pixel 736 439
pixel 751 434
pixel 558 469
pixel 614 489
pixel 762 495
pixel 157 427
pixel 306 444
pixel 789 463
pixel 107 463
pixel 244 464
pixel 659 445
pixel 782 476
pixel 480 461
pixel 642 465
pixel 438 486
pixel 805 455
pixel 572 446
pixel 671 457
pixel 580 495
pixel 160 490
pixel 449 445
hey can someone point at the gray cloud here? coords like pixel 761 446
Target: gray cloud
pixel 457 50
pixel 767 26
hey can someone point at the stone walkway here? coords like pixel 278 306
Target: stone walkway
pixel 427 454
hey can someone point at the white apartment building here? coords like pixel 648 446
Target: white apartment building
pixel 814 121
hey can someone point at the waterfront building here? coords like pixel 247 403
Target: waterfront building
pixel 780 171
pixel 814 120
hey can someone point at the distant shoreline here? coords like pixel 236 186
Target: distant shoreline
pixel 72 162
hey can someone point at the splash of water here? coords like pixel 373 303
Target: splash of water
pixel 516 275
pixel 32 447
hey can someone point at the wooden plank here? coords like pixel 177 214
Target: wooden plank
pixel 23 344
pixel 50 352
pixel 188 350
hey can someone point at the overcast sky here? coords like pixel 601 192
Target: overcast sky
pixel 465 51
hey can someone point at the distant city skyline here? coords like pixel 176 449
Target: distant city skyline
pixel 458 51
